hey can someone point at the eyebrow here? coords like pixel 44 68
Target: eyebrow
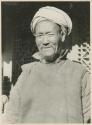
pixel 45 32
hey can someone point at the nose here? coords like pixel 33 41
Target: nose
pixel 45 40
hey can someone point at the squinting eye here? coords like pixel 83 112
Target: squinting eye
pixel 38 35
pixel 50 34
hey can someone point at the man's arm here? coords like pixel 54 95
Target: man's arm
pixel 86 97
pixel 12 108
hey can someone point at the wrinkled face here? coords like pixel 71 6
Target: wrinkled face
pixel 48 40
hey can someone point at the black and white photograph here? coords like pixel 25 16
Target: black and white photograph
pixel 46 65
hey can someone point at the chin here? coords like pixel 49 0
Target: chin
pixel 50 58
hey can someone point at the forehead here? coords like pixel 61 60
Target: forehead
pixel 46 26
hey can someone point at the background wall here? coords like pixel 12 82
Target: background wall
pixel 17 40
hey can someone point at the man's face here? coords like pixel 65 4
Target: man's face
pixel 48 40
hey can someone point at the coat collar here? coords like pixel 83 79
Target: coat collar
pixel 37 56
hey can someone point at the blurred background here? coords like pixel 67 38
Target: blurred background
pixel 18 43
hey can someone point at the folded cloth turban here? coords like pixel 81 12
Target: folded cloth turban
pixel 53 14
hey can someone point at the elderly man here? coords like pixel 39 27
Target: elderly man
pixel 54 89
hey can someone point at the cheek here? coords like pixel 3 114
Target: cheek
pixel 56 42
pixel 38 43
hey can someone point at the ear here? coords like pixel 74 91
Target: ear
pixel 63 35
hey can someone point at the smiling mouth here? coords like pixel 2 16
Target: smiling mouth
pixel 46 47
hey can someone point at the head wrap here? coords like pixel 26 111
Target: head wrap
pixel 53 14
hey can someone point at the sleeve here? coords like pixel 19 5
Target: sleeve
pixel 12 108
pixel 86 97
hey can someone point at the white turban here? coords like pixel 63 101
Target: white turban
pixel 53 14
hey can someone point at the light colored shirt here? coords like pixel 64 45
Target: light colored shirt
pixel 50 93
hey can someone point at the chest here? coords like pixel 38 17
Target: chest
pixel 52 83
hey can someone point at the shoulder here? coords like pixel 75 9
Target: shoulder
pixel 76 66
pixel 28 66
pixel 26 70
